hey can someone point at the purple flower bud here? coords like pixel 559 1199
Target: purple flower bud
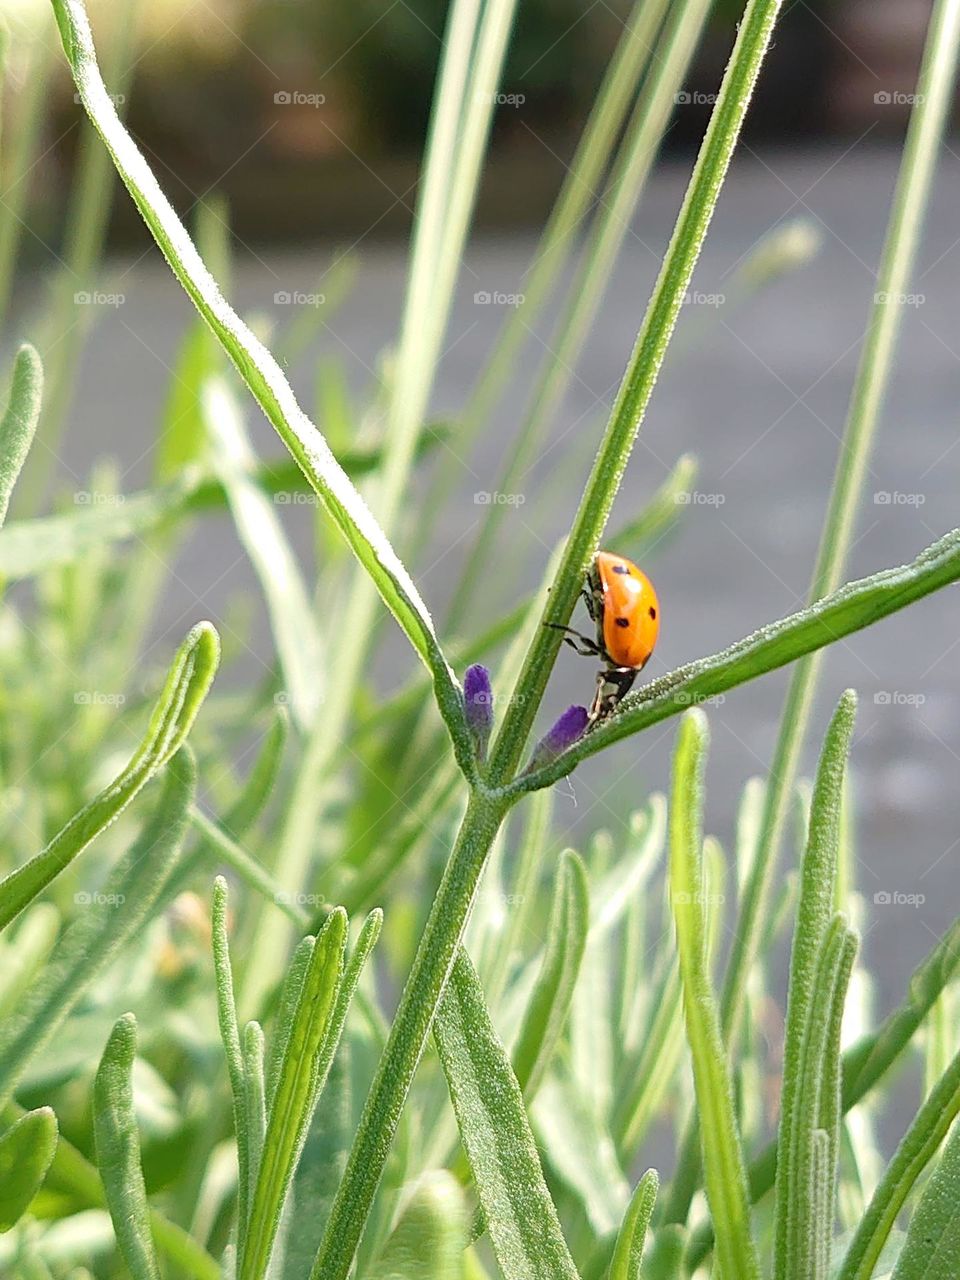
pixel 571 726
pixel 478 697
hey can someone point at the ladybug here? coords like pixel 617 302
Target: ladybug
pixel 623 604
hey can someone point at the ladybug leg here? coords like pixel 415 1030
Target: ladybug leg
pixel 613 685
pixel 586 647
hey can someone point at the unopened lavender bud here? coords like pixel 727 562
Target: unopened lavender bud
pixel 571 726
pixel 478 700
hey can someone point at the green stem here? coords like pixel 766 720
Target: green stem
pixel 933 101
pixel 411 1026
pixel 641 376
pixel 650 117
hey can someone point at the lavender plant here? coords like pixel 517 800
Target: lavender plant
pixel 492 1123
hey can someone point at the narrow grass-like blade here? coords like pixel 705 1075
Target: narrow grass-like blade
pixel 292 619
pixel 807 1177
pixel 918 1147
pixel 26 1151
pixel 552 995
pixel 230 1036
pixel 579 1154
pixel 262 374
pixel 19 421
pixel 255 1106
pixel 932 1246
pixel 79 1177
pixel 628 1254
pixel 519 1213
pixel 869 1059
pixel 105 926
pixel 118 1151
pixel 818 879
pixel 428 1241
pixel 217 842
pixel 725 1175
pixel 186 687
pixel 295 1096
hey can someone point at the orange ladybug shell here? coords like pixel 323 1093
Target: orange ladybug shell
pixel 631 611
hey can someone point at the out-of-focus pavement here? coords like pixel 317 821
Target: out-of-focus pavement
pixel 759 394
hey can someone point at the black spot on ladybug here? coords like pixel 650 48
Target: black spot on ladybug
pixel 620 568
pixel 652 611
pixel 623 622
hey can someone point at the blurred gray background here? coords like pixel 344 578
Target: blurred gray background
pixel 758 392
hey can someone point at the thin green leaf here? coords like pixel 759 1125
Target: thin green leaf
pixel 246 866
pixel 820 1191
pixel 118 1151
pixel 255 1100
pixel 19 421
pixel 24 951
pixel 295 1097
pixel 918 1147
pixel 263 376
pixel 806 1201
pixel 77 1175
pixel 852 607
pixel 290 993
pixel 321 1166
pixel 579 1151
pixel 725 1175
pixel 520 1216
pixel 869 1059
pixel 818 879
pixel 666 1260
pixel 187 683
pixel 293 623
pixel 428 1241
pixel 522 889
pixel 26 1151
pixel 230 1036
pixel 932 1246
pixel 259 784
pixel 552 995
pixel 628 1254
pixel 109 921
